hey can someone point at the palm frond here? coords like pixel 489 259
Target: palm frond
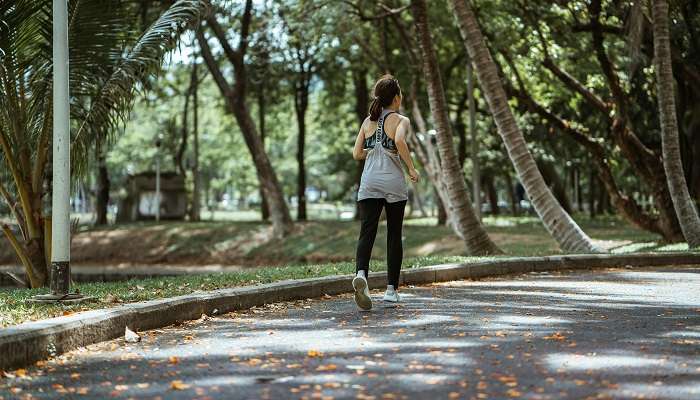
pixel 112 97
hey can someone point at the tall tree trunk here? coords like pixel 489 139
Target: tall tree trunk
pixel 418 201
pixel 426 153
pixel 647 163
pixel 195 209
pixel 514 206
pixel 264 207
pixel 464 220
pixel 555 184
pixel 579 192
pixel 476 168
pixel 677 186
pixel 559 223
pixel 441 211
pixel 180 155
pixel 461 130
pixel 235 101
pixel 102 187
pixel 591 193
pixel 301 103
pixel 359 80
pixel 491 193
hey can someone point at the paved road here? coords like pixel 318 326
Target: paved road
pixel 615 334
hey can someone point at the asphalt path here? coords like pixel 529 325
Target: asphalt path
pixel 620 333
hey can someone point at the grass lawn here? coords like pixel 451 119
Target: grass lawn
pixel 315 248
pixel 14 310
pixel 250 243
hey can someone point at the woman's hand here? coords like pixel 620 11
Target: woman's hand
pixel 414 175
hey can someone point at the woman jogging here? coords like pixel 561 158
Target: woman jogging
pixel 381 142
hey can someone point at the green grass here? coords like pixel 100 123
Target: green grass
pixel 15 310
pixel 326 247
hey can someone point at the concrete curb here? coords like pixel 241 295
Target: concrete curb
pixel 24 344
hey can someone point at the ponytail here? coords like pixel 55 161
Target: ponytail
pixel 385 90
pixel 375 110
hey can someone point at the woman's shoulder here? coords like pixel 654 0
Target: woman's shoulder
pixel 398 118
pixel 368 126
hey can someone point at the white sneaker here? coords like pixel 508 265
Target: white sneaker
pixel 362 297
pixel 391 295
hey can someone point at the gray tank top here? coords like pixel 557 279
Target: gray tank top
pixel 383 176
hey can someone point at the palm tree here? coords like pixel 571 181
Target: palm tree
pixel 557 221
pixel 677 186
pixel 464 221
pixel 109 57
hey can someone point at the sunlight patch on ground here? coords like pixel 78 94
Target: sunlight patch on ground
pixel 674 247
pixel 592 361
pixel 518 320
pixel 657 390
pixel 627 246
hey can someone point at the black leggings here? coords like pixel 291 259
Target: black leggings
pixel 370 210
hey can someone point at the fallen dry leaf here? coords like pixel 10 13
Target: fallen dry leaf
pixel 314 353
pixel 179 385
pixel 555 336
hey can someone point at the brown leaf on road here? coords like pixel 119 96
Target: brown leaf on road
pixel 179 385
pixel 173 360
pixel 555 336
pixel 514 393
pixel 328 367
pixel 314 353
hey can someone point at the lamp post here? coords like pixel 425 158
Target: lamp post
pixel 60 199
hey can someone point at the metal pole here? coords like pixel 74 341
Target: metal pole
pixel 60 203
pixel 476 171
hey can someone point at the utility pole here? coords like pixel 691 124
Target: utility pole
pixel 476 171
pixel 60 199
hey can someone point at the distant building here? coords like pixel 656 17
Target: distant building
pixel 140 202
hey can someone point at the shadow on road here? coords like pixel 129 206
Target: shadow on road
pixel 617 334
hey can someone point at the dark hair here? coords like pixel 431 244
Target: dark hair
pixel 386 88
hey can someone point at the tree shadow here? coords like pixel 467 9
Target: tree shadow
pixel 619 334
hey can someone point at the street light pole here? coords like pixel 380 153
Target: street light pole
pixel 60 199
pixel 60 204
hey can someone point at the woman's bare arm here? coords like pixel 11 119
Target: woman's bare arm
pixel 402 132
pixel 358 152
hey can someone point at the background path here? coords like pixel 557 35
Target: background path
pixel 612 334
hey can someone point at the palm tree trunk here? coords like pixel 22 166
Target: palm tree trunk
pixel 464 221
pixel 559 223
pixel 677 186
